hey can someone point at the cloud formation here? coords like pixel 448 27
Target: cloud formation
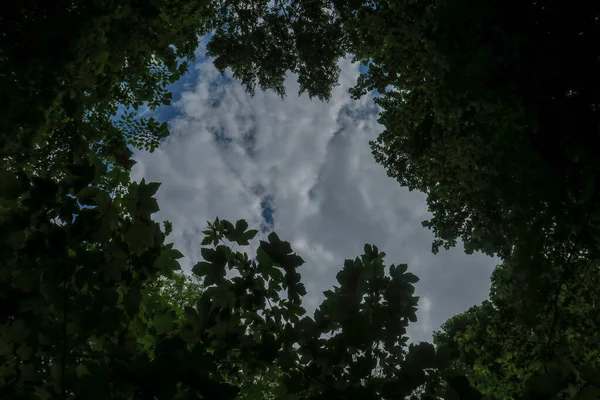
pixel 303 168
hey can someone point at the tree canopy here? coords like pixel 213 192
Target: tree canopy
pixel 541 343
pixel 66 67
pixel 65 267
pixel 490 108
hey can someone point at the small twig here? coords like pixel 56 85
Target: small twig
pixel 282 7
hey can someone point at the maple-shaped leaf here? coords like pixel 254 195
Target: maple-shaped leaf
pixel 139 237
pixel 241 226
pixel 212 273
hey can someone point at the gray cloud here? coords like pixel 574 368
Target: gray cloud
pixel 229 155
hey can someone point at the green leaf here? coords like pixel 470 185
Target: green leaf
pixel 175 254
pixel 80 175
pixel 275 274
pixel 25 352
pixel 168 227
pixel 410 277
pixel 56 372
pixel 148 206
pixel 82 370
pixel 273 238
pixel 166 264
pixel 396 271
pixel 193 317
pixel 241 226
pixel 263 259
pixel 228 226
pixel 151 188
pixel 139 237
pixel 130 200
pixel 249 235
pixel 222 297
pixel 213 273
pixel 102 200
pixel 163 323
pixel 88 192
pixel 28 373
pixel 42 393
pixel 188 336
pixel 202 268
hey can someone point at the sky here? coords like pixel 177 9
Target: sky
pixel 304 169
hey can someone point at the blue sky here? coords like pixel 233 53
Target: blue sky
pixel 169 113
pixel 304 169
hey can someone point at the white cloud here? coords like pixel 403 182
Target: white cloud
pixel 329 196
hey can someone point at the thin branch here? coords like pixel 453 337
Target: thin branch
pixel 282 7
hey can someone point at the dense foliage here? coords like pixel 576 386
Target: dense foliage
pixel 65 267
pixel 494 117
pixel 543 343
pixel 262 41
pixel 490 108
pixel 65 68
pixel 91 304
